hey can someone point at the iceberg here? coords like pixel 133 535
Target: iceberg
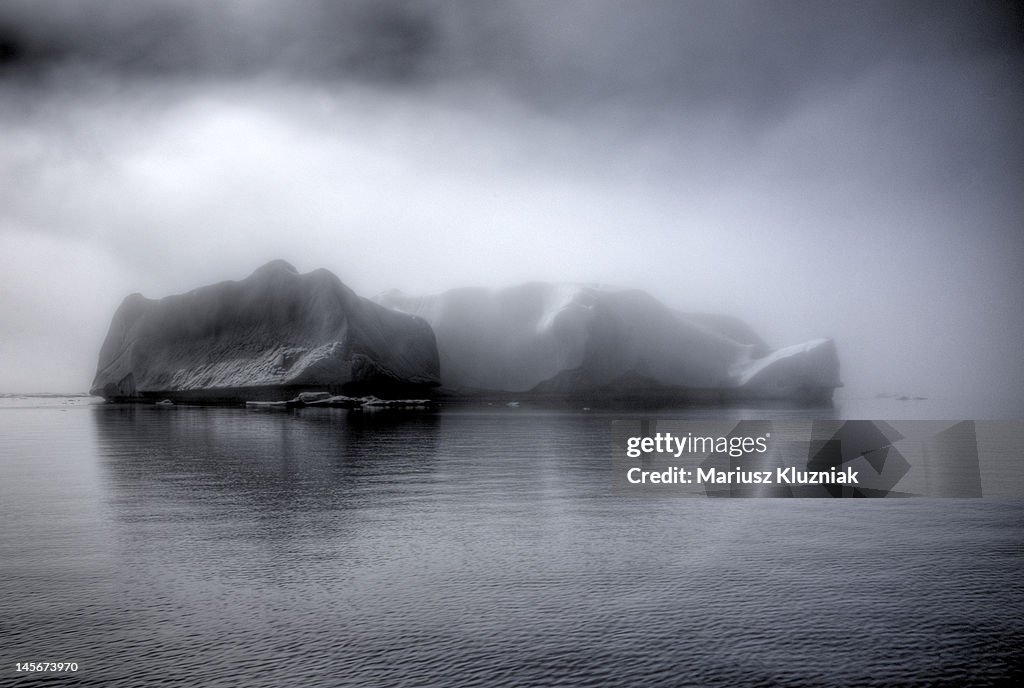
pixel 282 339
pixel 268 337
pixel 792 371
pixel 577 340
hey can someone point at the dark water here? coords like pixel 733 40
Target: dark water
pixel 188 546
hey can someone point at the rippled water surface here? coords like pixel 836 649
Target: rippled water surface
pixel 193 546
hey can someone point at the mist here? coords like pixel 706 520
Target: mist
pixel 815 169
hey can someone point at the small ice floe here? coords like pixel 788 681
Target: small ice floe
pixel 312 397
pixel 325 400
pixel 267 404
pixel 375 404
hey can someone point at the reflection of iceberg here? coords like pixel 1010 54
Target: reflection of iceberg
pixel 567 339
pixel 269 336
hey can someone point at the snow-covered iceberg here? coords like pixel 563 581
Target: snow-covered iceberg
pixel 269 336
pixel 556 339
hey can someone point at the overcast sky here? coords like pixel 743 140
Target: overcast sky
pixel 844 169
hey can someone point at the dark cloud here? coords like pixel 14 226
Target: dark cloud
pixel 313 39
pixel 756 55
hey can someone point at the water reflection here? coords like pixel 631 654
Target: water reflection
pixel 323 481
pixel 317 448
pixel 477 547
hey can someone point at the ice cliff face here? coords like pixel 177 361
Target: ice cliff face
pixel 557 339
pixel 263 337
